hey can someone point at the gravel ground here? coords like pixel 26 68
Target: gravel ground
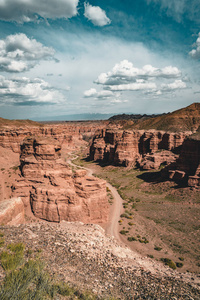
pixel 83 255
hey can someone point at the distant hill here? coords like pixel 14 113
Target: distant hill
pixel 133 117
pixel 17 123
pixel 76 117
pixel 185 119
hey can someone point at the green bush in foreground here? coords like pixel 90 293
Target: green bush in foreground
pixel 29 280
pixel 17 248
pixel 11 261
pixel 2 242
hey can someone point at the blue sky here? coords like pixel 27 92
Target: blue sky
pixel 72 57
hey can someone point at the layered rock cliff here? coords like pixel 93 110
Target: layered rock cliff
pixel 54 191
pixel 186 169
pixel 71 134
pixel 11 137
pixel 128 147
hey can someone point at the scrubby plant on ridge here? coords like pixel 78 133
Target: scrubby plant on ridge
pixel 29 280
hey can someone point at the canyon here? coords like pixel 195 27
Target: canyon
pixel 156 175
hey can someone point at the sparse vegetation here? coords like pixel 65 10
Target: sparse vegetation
pixel 157 248
pixel 131 223
pixel 169 262
pixel 131 238
pixel 179 264
pixel 2 241
pixel 29 279
pixel 123 232
pixel 181 258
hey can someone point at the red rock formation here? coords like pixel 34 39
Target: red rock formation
pixel 187 166
pixel 55 193
pixel 156 159
pixel 127 147
pixel 70 134
pixel 11 212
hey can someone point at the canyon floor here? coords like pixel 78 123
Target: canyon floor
pixel 159 219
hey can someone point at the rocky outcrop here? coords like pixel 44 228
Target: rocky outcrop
pixel 128 147
pixel 54 191
pixel 186 169
pixel 157 159
pixel 12 212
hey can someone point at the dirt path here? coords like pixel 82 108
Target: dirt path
pixel 112 228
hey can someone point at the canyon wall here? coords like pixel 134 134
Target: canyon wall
pixel 129 147
pixel 55 192
pixel 186 169
pixel 12 137
pixel 70 134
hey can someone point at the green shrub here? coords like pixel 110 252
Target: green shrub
pixel 11 261
pixel 131 238
pixel 31 281
pixel 17 248
pixel 179 264
pixel 157 248
pixel 64 289
pixel 169 262
pixel 181 258
pixel 123 232
pixel 1 234
pixel 131 223
pixel 1 242
pixel 125 215
pixel 143 240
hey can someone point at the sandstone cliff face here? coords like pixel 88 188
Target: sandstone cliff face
pixel 66 134
pixel 12 212
pixel 128 147
pixel 54 191
pixel 186 168
pixel 70 134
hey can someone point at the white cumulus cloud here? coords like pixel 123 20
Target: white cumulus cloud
pixel 18 53
pixel 195 53
pixel 96 15
pixel 102 94
pixel 133 86
pixel 125 72
pixel 176 85
pixel 26 91
pixel 148 79
pixel 28 10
